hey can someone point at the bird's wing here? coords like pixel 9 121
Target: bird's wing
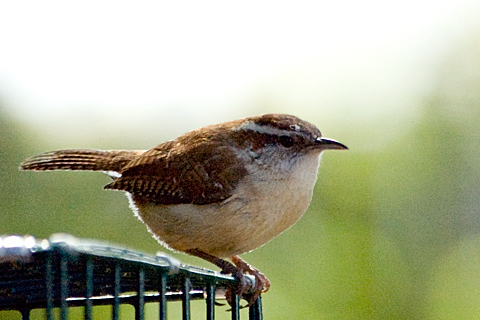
pixel 203 174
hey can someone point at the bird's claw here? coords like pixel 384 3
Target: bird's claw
pixel 247 288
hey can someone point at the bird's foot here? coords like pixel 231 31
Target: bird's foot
pixel 246 288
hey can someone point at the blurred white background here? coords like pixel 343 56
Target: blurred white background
pixel 78 70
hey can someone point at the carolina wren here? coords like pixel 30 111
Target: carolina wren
pixel 217 191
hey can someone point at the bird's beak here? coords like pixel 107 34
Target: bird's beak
pixel 329 144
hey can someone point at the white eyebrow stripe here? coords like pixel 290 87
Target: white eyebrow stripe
pixel 250 125
pixel 295 127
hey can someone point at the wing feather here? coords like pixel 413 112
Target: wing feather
pixel 203 174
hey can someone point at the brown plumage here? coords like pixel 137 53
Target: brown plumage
pixel 201 175
pixel 175 172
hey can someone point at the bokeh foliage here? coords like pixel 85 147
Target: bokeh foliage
pixel 392 232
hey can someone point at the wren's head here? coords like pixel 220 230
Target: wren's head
pixel 280 139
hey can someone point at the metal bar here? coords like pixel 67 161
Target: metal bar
pixel 111 279
pixel 255 310
pixel 235 307
pixel 63 285
pixel 210 291
pixel 162 303
pixel 124 298
pixel 49 277
pixel 140 303
pixel 89 289
pixel 186 299
pixel 116 294
pixel 25 314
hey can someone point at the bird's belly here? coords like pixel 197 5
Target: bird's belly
pixel 243 222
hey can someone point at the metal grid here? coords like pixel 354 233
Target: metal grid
pixel 65 272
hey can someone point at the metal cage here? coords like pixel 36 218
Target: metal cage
pixel 64 272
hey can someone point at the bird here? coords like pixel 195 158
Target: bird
pixel 217 191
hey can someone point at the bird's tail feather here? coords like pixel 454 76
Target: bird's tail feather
pixel 80 159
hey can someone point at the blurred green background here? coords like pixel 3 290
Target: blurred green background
pixel 393 231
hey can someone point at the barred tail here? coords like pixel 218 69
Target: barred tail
pixel 80 159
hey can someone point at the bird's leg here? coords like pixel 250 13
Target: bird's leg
pixel 227 267
pixel 238 272
pixel 262 284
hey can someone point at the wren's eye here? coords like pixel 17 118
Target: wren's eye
pixel 286 141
